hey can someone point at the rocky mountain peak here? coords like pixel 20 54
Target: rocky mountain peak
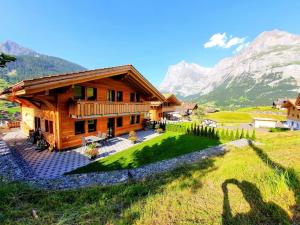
pixel 13 48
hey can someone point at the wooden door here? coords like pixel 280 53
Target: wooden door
pixel 111 127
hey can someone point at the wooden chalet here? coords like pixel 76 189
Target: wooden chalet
pixel 70 106
pixel 161 109
pixel 293 112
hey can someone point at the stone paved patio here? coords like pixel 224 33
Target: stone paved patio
pixel 48 165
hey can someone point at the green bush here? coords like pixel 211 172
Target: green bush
pixel 279 129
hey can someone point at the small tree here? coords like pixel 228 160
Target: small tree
pixel 4 59
pixel 227 134
pixel 231 137
pixel 242 134
pixel 237 134
pixel 247 135
pixel 198 130
pixel 253 137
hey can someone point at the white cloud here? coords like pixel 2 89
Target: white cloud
pixel 221 40
pixel 241 47
pixel 234 41
pixel 216 40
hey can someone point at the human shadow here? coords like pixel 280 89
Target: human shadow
pixel 261 212
pixel 291 178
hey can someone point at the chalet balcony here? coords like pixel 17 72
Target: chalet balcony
pixel 92 109
pixel 168 108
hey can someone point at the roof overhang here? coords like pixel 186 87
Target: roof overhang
pixel 36 85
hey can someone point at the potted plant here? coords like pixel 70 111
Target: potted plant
pixel 132 137
pixel 92 151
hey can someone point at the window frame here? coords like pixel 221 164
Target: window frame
pixel 83 90
pixel 47 126
pixel 79 121
pixel 137 119
pixel 132 120
pixel 121 119
pixel 132 97
pixel 88 126
pixel 111 95
pixel 117 96
pixel 91 98
pixel 50 126
pixel 137 97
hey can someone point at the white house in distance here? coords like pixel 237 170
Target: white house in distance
pixel 264 122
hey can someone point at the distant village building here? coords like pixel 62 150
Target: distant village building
pixel 265 123
pixel 293 113
pixel 278 104
pixel 164 109
pixel 187 108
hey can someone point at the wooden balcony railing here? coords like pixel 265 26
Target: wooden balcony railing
pixel 89 109
pixel 168 108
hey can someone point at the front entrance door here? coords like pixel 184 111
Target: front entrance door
pixel 111 127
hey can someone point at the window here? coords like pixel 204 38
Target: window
pixel 79 92
pixel 119 96
pixel 132 97
pixel 119 122
pixel 111 95
pixel 51 127
pixel 92 125
pixel 79 127
pixel 138 97
pixel 46 126
pixel 37 123
pixel 131 119
pixel 138 119
pixel 91 93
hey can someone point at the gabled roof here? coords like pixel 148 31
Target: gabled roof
pixel 289 102
pixel 189 105
pixel 35 85
pixel 172 98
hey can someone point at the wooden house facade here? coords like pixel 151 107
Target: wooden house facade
pixel 70 106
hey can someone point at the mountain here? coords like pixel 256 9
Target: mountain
pixel 30 64
pixel 268 68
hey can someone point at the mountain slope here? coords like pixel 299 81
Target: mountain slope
pixel 30 64
pixel 268 68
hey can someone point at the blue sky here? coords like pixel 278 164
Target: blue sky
pixel 151 35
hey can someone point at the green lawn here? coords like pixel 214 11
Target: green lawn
pixel 165 146
pixel 230 117
pixel 253 185
pixel 259 109
pixel 240 117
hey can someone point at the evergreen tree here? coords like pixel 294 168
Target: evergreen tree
pixel 227 134
pixel 247 135
pixel 253 135
pixel 198 130
pixel 231 137
pixel 237 134
pixel 242 134
pixel 202 131
pixel 205 132
pixel 4 58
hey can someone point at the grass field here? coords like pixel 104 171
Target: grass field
pixel 165 146
pixel 254 185
pixel 240 116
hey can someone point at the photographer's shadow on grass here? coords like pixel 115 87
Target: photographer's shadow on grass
pixel 260 211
